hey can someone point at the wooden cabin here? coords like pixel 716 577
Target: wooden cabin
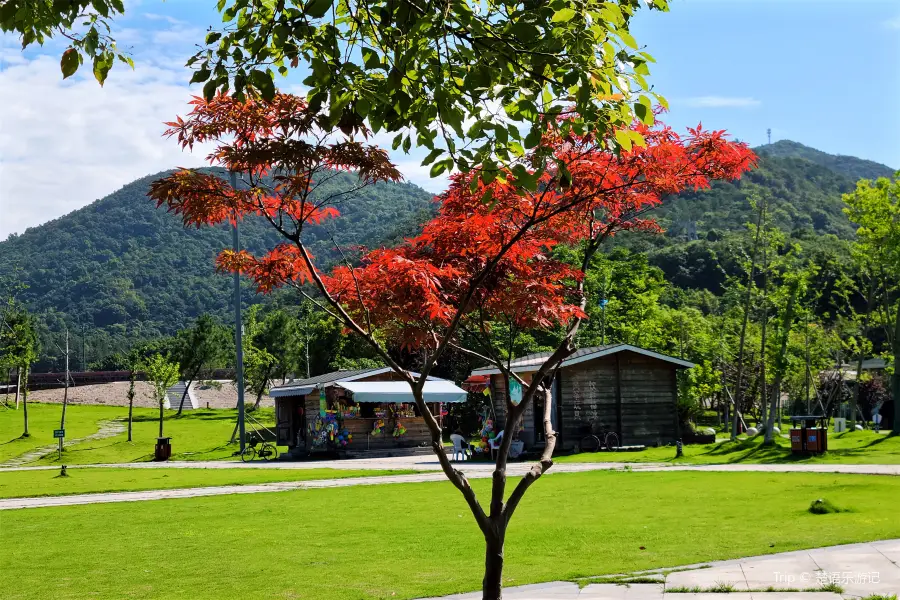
pixel 620 388
pixel 356 411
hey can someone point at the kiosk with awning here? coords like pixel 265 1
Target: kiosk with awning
pixel 368 409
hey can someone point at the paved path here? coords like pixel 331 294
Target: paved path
pixel 474 470
pixel 860 569
pixel 107 429
pixel 428 463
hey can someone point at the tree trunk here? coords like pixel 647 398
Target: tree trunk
pixel 130 412
pixel 25 400
pixel 781 364
pixel 763 396
pixel 895 378
pixel 185 393
pixel 748 300
pixel 18 384
pixel 492 584
pixel 161 402
pixel 130 402
pixel 854 403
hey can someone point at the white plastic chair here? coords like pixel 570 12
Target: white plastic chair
pixel 460 446
pixel 495 443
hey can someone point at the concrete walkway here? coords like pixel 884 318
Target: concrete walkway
pixel 473 470
pixel 861 570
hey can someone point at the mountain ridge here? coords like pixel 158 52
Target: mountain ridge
pixel 126 270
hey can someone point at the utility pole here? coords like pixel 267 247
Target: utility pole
pixel 807 378
pixel 62 420
pixel 83 363
pixel 238 326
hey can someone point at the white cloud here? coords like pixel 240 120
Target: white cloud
pixel 64 144
pixel 167 18
pixel 722 102
pixel 893 23
pixel 414 172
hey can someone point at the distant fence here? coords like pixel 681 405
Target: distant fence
pixel 43 381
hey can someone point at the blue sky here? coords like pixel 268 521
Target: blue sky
pixel 821 72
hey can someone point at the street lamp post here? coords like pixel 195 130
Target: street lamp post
pixel 238 327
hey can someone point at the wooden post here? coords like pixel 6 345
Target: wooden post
pixel 557 381
pixel 674 378
pixel 618 397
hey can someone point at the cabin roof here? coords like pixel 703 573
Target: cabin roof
pixel 302 387
pixel 532 362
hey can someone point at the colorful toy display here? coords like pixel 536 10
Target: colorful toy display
pixel 378 427
pixel 349 412
pixel 402 410
pixel 324 428
pixel 399 430
pixel 343 438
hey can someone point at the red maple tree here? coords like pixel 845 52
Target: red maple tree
pixel 487 256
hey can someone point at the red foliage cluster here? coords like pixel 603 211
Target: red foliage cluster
pixel 487 255
pixel 276 147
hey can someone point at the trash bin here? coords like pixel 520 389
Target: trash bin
pixel 817 439
pixel 797 440
pixel 811 436
pixel 163 449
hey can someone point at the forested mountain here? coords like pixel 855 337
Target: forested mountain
pixel 855 168
pixel 124 270
pixel 803 185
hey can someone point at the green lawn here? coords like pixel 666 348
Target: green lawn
pixel 860 447
pixel 42 420
pixel 411 540
pixel 196 435
pixel 20 484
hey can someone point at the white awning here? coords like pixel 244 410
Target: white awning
pixel 399 391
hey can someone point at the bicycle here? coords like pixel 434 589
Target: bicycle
pixel 267 451
pixel 603 438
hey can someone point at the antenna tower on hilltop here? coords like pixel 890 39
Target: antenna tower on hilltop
pixel 769 133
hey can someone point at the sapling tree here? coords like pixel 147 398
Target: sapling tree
pixel 486 256
pixel 19 347
pixel 201 346
pixel 162 374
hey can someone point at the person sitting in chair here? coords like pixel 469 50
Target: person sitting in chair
pixel 460 445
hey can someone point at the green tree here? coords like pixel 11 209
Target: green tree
pixel 19 347
pixel 473 82
pixel 202 346
pixel 162 374
pixel 875 208
pixel 83 23
pixel 265 340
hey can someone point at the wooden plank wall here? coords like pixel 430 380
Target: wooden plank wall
pixel 587 394
pixel 647 412
pixel 648 400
